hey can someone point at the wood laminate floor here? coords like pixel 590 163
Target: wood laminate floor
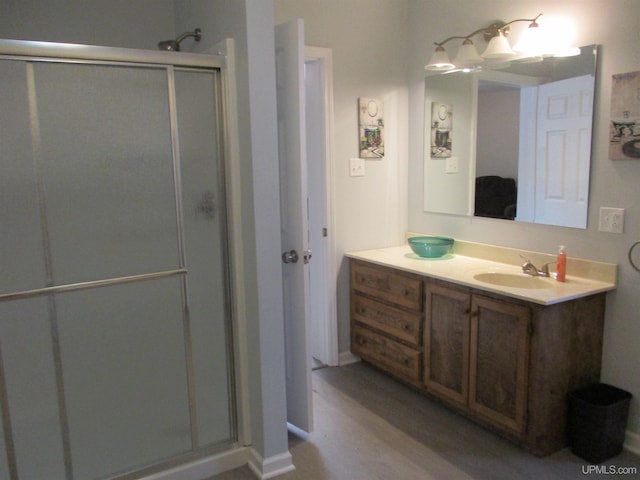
pixel 370 427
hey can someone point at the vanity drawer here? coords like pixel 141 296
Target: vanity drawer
pixel 387 284
pixel 386 353
pixel 403 325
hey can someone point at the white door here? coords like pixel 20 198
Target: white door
pixel 319 128
pixel 289 41
pixel 314 118
pixel 563 151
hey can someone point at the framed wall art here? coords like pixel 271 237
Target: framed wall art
pixel 371 127
pixel 624 126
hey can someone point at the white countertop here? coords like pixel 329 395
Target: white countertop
pixel 461 269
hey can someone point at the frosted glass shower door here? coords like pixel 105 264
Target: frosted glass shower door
pixel 203 204
pixel 115 350
pixel 107 175
pixel 107 170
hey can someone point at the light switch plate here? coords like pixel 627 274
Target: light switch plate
pixel 356 167
pixel 611 220
pixel 451 165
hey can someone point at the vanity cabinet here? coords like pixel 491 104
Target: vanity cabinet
pixel 476 352
pixel 506 363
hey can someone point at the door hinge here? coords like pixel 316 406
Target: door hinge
pixel 325 232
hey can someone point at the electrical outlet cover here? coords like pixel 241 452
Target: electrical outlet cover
pixel 617 220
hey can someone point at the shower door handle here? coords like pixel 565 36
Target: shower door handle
pixel 290 257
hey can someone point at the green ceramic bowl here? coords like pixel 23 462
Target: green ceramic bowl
pixel 431 247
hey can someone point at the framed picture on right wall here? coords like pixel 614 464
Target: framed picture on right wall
pixel 624 126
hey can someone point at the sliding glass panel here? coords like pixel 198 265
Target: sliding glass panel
pixel 27 353
pixel 125 376
pixel 87 191
pixel 204 220
pixel 21 257
pixel 107 170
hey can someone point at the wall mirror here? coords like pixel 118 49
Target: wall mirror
pixel 519 141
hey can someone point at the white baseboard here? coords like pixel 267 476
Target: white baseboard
pixel 205 467
pixel 265 468
pixel 632 442
pixel 345 358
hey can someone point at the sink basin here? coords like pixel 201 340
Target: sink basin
pixel 514 280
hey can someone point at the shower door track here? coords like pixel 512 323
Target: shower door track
pixel 73 287
pixel 78 53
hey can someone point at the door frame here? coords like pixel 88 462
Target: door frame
pixel 329 322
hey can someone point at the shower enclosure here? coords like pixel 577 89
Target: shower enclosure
pixel 115 325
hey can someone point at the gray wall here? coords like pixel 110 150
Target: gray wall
pixel 499 124
pixel 115 23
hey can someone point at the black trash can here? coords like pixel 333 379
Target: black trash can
pixel 597 421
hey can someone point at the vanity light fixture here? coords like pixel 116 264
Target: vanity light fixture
pixel 532 46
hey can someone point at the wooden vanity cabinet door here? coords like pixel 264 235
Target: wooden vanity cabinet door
pixel 499 362
pixel 446 342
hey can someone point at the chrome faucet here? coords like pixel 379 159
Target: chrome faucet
pixel 530 269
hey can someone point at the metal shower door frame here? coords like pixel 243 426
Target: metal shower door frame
pixel 28 51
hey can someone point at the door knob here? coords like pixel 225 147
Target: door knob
pixel 290 257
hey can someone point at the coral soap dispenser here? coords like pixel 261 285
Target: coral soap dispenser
pixel 561 265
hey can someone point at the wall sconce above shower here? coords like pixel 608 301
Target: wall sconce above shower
pixel 174 45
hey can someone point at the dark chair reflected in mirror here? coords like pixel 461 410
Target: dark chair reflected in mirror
pixel 496 197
